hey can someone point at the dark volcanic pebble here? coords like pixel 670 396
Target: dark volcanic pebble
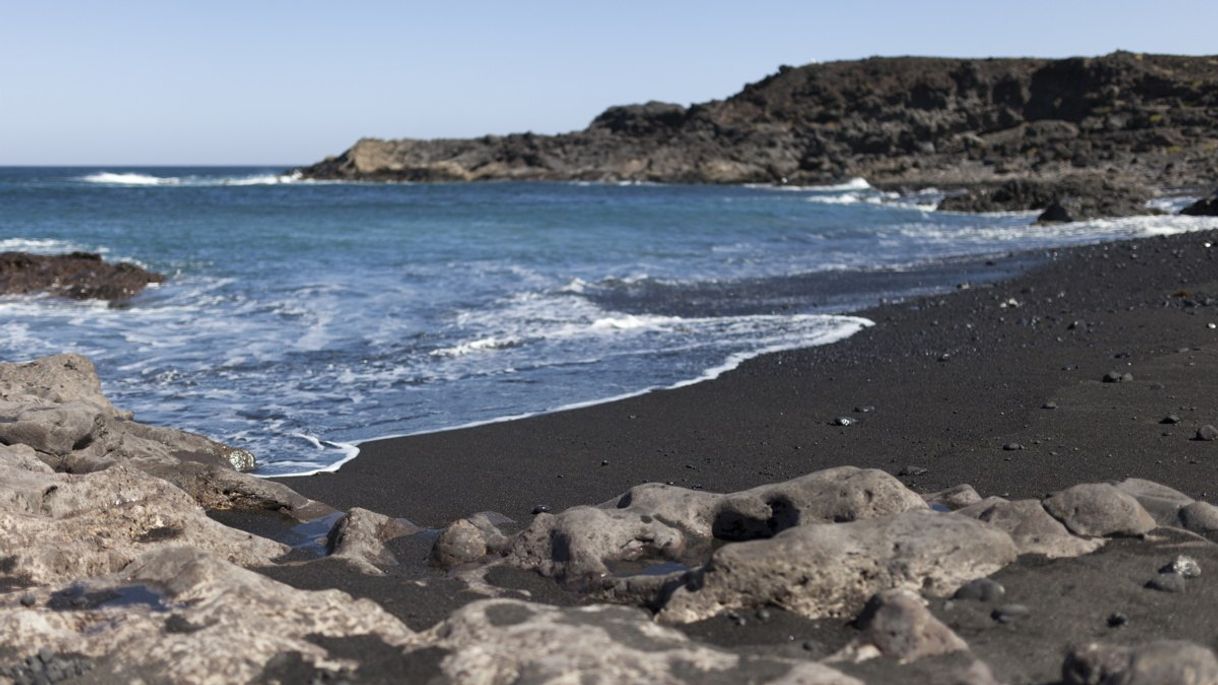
pixel 981 590
pixel 842 421
pixel 1049 405
pixel 1115 377
pixel 1170 419
pixel 1117 619
pixel 1012 446
pixel 540 509
pixel 912 470
pixel 1166 582
pixel 1009 613
pixel 28 600
pixel 1207 433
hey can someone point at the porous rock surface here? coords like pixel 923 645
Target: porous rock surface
pixel 504 641
pixel 112 571
pixel 1099 509
pixel 182 615
pixel 1165 662
pixel 1032 529
pixel 822 570
pixel 667 522
pixel 897 624
pixel 59 527
pixel 55 406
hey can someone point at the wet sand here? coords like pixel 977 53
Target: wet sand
pixel 946 383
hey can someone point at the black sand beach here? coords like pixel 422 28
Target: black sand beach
pixel 934 391
pixel 1000 386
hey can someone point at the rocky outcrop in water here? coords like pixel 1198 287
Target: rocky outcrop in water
pixel 1114 126
pixel 78 276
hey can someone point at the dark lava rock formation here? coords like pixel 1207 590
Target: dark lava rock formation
pixel 79 276
pixel 1206 206
pixel 1125 121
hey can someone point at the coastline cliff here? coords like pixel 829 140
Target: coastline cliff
pixel 1137 120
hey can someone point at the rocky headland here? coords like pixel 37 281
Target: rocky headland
pixel 76 275
pixel 140 553
pixel 1094 136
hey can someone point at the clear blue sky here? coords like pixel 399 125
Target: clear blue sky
pixel 284 82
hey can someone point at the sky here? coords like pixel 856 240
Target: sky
pixel 272 82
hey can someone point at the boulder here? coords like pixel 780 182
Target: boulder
pixel 1161 502
pixel 78 275
pixel 360 536
pixel 1166 662
pixel 179 614
pixel 505 640
pixel 1206 206
pixel 676 524
pixel 1199 517
pixel 1031 527
pixel 55 406
pixel 820 570
pixel 60 527
pixel 953 498
pixel 1099 510
pixel 896 624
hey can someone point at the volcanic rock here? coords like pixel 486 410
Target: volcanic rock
pixel 1098 510
pixel 820 570
pixel 1031 527
pixel 1206 206
pixel 1155 663
pixel 79 276
pixel 499 640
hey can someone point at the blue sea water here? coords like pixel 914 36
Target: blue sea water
pixel 300 318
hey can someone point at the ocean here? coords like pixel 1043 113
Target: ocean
pixel 301 318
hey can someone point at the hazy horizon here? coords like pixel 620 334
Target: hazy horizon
pixel 144 84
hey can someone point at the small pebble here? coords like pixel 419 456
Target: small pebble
pixel 1207 433
pixel 1166 582
pixel 1012 446
pixel 1115 377
pixel 763 614
pixel 28 600
pixel 981 590
pixel 1049 405
pixel 865 409
pixel 945 357
pixel 604 462
pixel 842 421
pixel 1117 619
pixel 1170 419
pixel 1184 565
pixel 541 509
pixel 912 470
pixel 1010 613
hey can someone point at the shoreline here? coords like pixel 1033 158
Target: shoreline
pixel 930 414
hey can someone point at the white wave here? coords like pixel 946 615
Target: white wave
pixel 843 199
pixel 130 179
pixel 45 246
pixel 835 328
pixel 138 179
pixel 631 322
pixel 856 183
pixel 462 349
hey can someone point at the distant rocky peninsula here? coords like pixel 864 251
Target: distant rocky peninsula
pixel 1115 129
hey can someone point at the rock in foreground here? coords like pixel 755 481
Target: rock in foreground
pixel 78 276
